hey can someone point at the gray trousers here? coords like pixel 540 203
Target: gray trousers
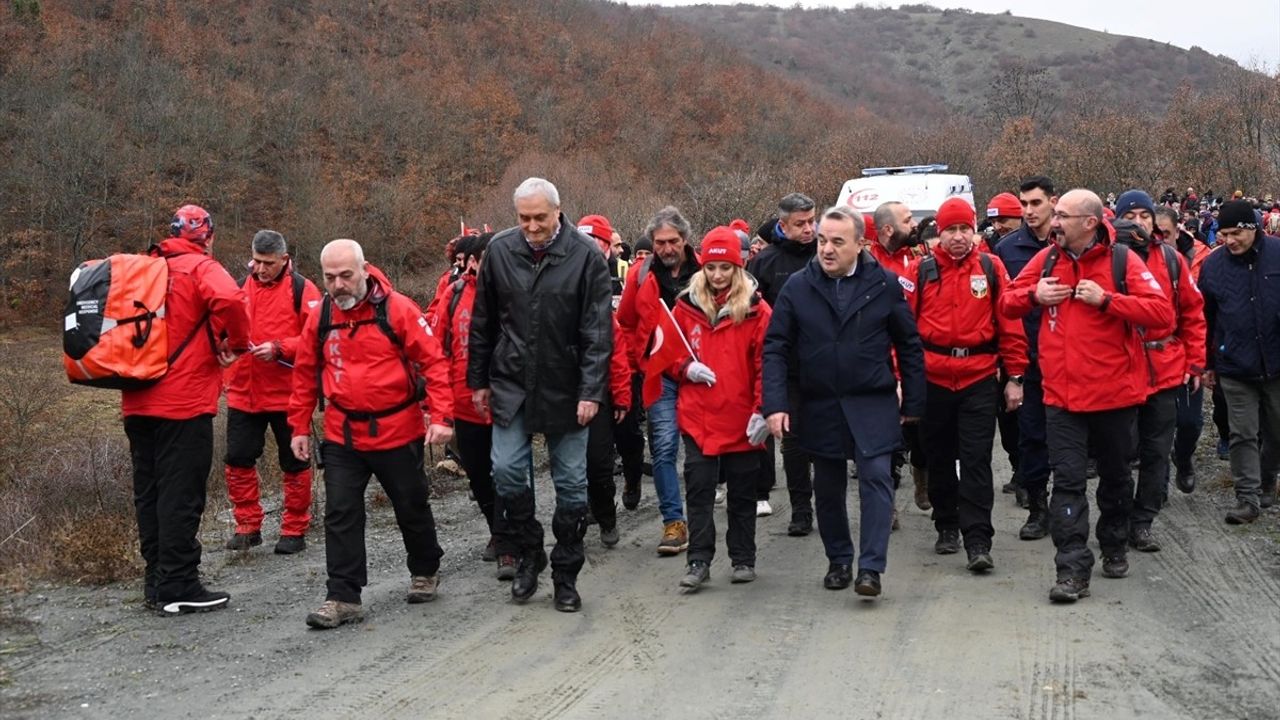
pixel 1253 412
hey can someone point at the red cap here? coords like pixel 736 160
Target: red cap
pixel 955 211
pixel 721 245
pixel 597 226
pixel 1004 205
pixel 869 228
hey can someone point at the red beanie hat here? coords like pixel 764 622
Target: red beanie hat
pixel 955 211
pixel 1004 205
pixel 869 228
pixel 740 224
pixel 597 226
pixel 721 245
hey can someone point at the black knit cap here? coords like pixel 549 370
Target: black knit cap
pixel 1237 214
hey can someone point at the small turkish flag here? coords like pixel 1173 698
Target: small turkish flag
pixel 666 351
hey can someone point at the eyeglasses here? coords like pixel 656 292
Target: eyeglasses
pixel 1065 216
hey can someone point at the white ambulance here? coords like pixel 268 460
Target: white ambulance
pixel 922 188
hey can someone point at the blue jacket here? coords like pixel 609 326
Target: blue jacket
pixel 1015 250
pixel 843 334
pixel 1242 306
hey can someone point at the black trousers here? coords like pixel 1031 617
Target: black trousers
pixel 171 462
pixel 247 438
pixel 601 489
pixel 628 436
pixel 1010 436
pixel 961 425
pixel 1220 413
pixel 701 475
pixel 475 445
pixel 1071 435
pixel 1033 448
pixel 1157 423
pixel 346 476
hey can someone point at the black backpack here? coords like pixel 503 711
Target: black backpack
pixel 417 390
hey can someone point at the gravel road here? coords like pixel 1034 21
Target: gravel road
pixel 1194 632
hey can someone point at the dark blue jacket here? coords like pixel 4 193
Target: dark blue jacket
pixel 1242 306
pixel 1015 250
pixel 847 389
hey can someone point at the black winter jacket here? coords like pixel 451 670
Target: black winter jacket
pixel 1242 307
pixel 778 261
pixel 541 334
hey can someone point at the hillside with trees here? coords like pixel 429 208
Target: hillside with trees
pixel 391 120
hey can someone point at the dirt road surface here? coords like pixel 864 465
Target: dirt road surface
pixel 1194 632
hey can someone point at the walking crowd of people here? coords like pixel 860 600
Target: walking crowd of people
pixel 1085 331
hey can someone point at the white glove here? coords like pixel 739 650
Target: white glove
pixel 757 429
pixel 699 373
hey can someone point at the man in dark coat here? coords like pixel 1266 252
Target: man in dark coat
pixel 791 247
pixel 842 319
pixel 541 338
pixel 1241 287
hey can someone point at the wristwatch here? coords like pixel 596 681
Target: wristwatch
pixel 1016 379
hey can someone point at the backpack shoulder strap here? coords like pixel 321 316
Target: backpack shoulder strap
pixel 455 297
pixel 299 287
pixel 993 285
pixel 1120 268
pixel 380 317
pixel 1175 276
pixel 926 272
pixel 1049 261
pixel 322 330
pixel 643 272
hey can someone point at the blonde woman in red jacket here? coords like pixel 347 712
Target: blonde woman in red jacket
pixel 718 406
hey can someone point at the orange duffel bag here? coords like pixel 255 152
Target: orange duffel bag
pixel 114 333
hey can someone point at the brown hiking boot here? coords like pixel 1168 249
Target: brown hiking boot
pixel 334 613
pixel 422 588
pixel 920 477
pixel 675 538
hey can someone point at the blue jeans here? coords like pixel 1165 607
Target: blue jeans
pixel 513 456
pixel 664 444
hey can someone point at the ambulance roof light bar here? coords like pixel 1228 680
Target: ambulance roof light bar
pixel 906 170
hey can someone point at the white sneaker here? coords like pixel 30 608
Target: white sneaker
pixel 763 508
pixel 721 493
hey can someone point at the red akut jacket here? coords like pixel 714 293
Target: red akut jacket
pixel 1091 357
pixel 1175 348
pixel 256 386
pixel 198 284
pixel 456 331
pixel 638 311
pixel 958 311
pixel 902 263
pixel 716 417
pixel 364 371
pixel 620 369
pixel 447 278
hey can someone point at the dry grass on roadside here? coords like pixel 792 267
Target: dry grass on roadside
pixel 66 508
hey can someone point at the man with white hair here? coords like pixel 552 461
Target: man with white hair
pixel 367 355
pixel 541 340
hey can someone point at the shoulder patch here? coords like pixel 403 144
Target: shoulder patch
pixel 906 284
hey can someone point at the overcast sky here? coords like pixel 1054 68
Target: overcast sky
pixel 1248 31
